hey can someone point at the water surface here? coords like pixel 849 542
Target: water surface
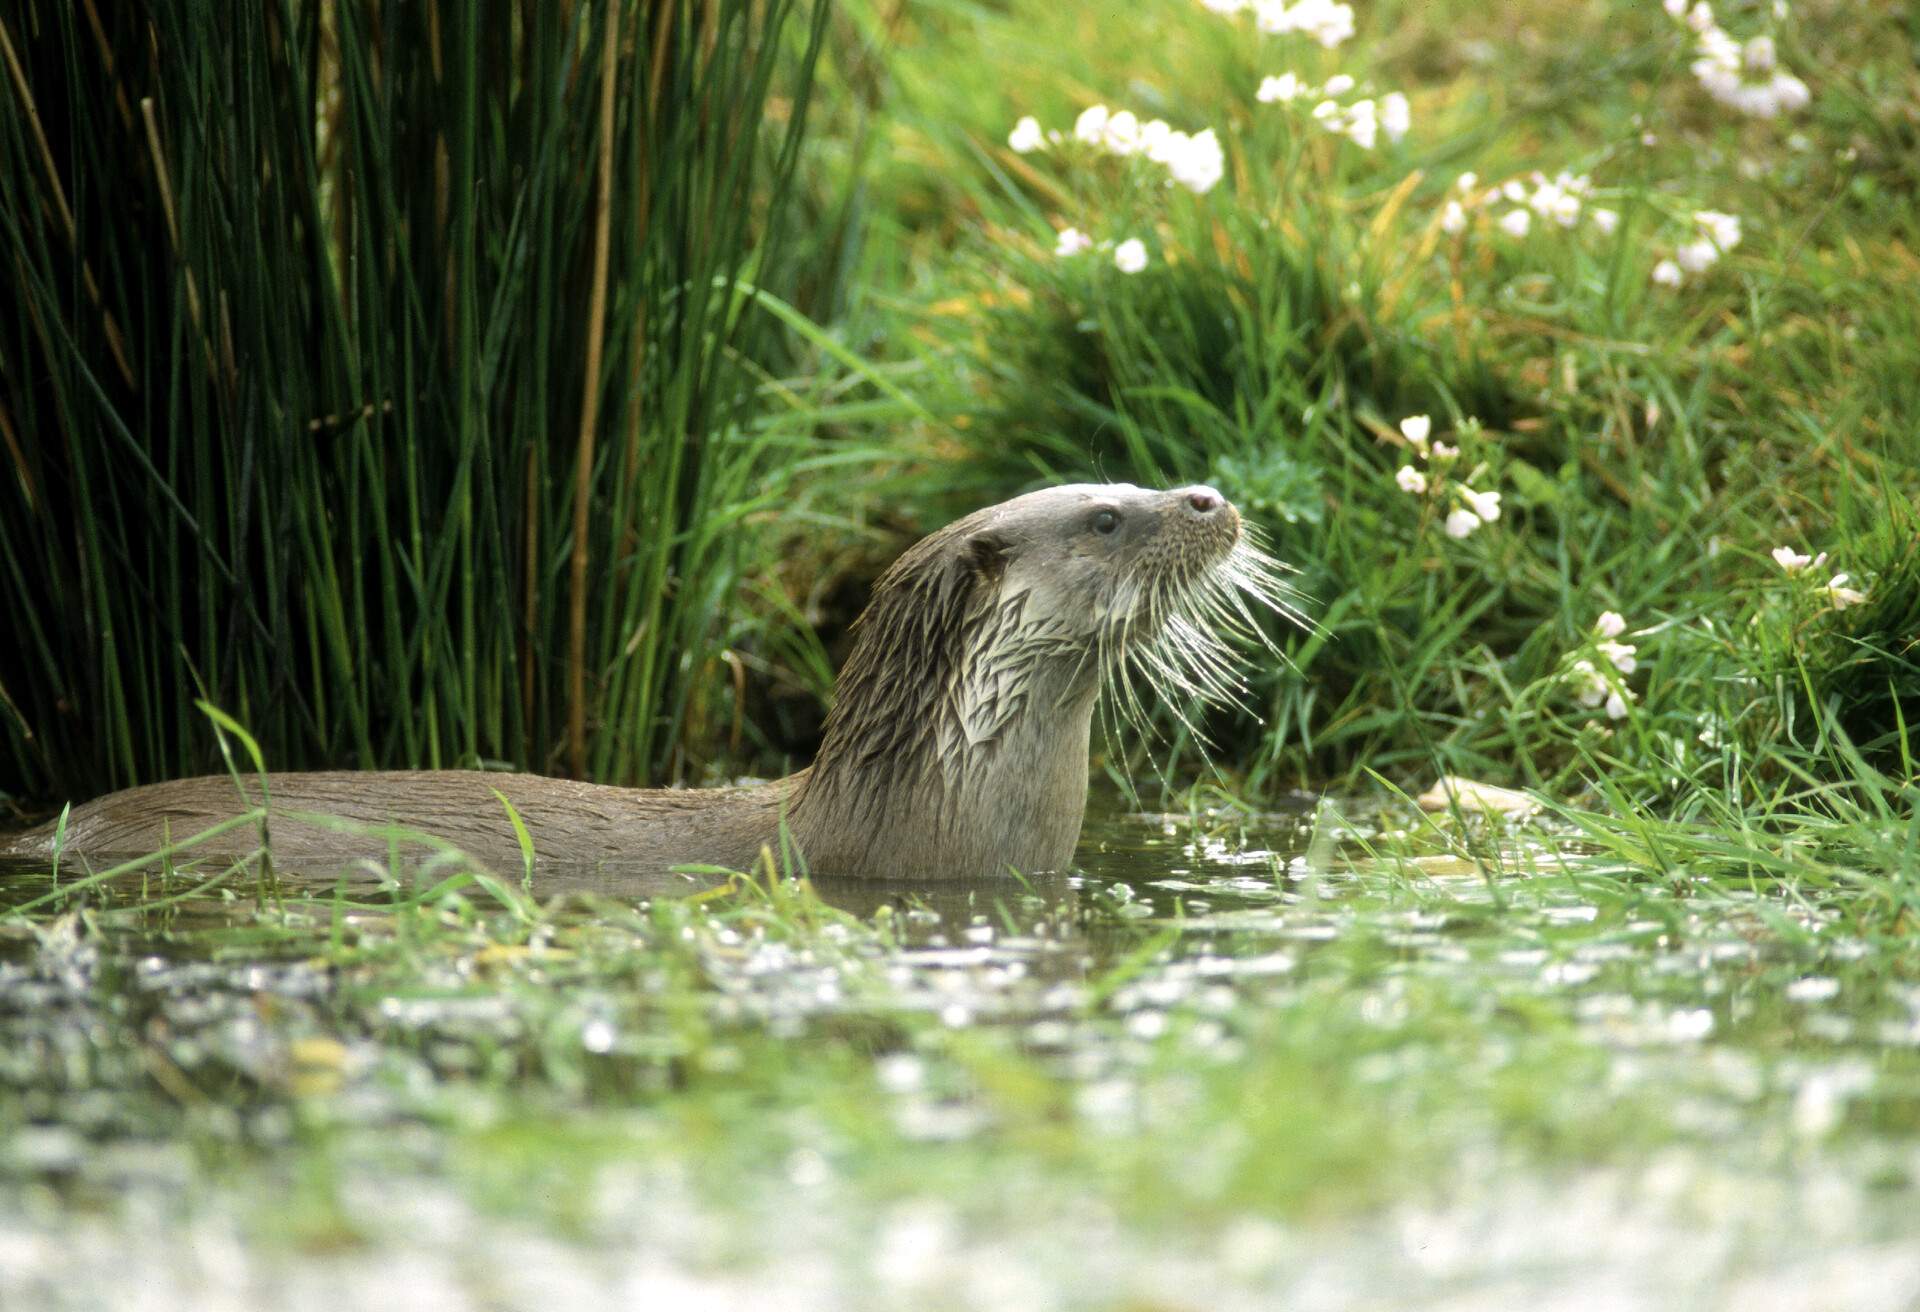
pixel 1326 1057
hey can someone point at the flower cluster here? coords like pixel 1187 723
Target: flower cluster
pixel 1325 21
pixel 1744 77
pixel 1835 590
pixel 1195 161
pixel 1130 256
pixel 1474 508
pixel 1598 678
pixel 1562 199
pixel 1716 234
pixel 1360 121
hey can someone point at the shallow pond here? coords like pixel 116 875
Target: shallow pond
pixel 1305 1060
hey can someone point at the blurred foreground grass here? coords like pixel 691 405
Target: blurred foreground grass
pixel 1247 1058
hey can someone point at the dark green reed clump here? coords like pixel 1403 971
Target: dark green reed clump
pixel 385 374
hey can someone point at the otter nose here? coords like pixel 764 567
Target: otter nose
pixel 1204 500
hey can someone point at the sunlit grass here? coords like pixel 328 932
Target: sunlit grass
pixel 1651 445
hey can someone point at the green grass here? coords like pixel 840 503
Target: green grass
pixel 1651 445
pixel 1238 1053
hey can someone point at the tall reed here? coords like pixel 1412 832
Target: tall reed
pixel 386 374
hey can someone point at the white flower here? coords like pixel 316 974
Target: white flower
pixel 1416 428
pixel 1621 654
pixel 1396 115
pixel 1611 624
pixel 1337 85
pixel 1153 136
pixel 1071 241
pixel 1323 20
pixel 1700 19
pixel 1467 181
pixel 1793 562
pixel 1616 706
pixel 1789 92
pixel 1091 126
pixel 1163 146
pixel 1460 523
pixel 1199 163
pixel 1545 198
pixel 1667 274
pixel 1605 220
pixel 1592 686
pixel 1723 68
pixel 1026 136
pixel 1271 16
pixel 1362 127
pixel 1453 219
pixel 1484 504
pixel 1514 189
pixel 1515 223
pixel 1330 25
pixel 1839 594
pixel 1130 256
pixel 1697 256
pixel 1280 89
pixel 1441 451
pixel 1411 480
pixel 1675 8
pixel 1121 135
pixel 1722 229
pixel 1327 111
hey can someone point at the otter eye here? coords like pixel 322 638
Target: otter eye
pixel 1105 522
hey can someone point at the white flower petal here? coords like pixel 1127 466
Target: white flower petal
pixel 1484 504
pixel 1071 241
pixel 1026 136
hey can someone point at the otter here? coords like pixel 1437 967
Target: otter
pixel 956 747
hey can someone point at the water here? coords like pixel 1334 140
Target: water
pixel 1308 1059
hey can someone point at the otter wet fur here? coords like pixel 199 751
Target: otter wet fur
pixel 956 747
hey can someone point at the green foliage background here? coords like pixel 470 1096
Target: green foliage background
pixel 294 389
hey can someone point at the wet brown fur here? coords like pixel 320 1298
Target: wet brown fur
pixel 957 746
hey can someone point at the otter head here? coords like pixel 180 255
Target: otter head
pixel 959 736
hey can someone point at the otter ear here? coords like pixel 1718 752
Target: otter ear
pixel 986 555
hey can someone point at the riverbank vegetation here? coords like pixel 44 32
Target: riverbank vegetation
pixel 1571 354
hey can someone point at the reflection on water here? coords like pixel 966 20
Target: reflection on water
pixel 1757 1026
